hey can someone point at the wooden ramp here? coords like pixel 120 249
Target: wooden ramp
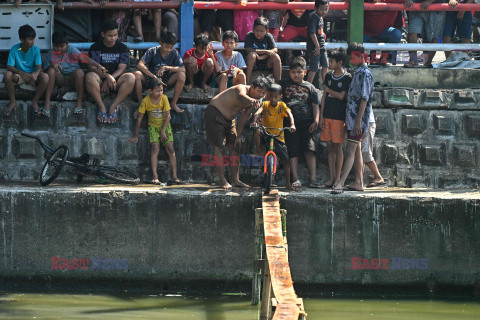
pixel 278 298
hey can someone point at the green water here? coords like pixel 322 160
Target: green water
pixel 71 306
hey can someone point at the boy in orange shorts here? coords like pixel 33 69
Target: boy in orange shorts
pixel 332 113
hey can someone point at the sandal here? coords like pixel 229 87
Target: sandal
pixel 113 116
pixel 314 184
pixel 44 112
pixel 297 184
pixel 79 111
pixel 103 116
pixel 37 112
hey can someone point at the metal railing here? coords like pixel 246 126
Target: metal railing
pixel 186 25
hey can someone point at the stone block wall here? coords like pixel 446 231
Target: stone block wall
pixel 423 138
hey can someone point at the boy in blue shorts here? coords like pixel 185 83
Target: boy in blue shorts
pixel 24 65
pixel 158 108
pixel 273 112
pixel 359 107
pixel 317 55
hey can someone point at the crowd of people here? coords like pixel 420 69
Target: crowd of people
pixel 343 112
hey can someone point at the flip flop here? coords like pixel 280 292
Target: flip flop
pixel 44 112
pixel 38 112
pixel 157 183
pixel 410 65
pixel 348 188
pixel 103 115
pixel 326 186
pixel 174 182
pixel 376 184
pixel 314 184
pixel 297 184
pixel 113 116
pixel 79 111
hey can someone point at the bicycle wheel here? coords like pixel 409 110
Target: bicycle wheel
pixel 53 165
pixel 269 177
pixel 117 175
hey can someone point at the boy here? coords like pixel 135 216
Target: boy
pixel 302 98
pixel 163 62
pixel 262 50
pixel 114 56
pixel 359 107
pixel 459 23
pixel 332 113
pixel 231 63
pixel 316 41
pixel 64 69
pixel 24 65
pixel 200 63
pixel 158 109
pixel 220 117
pixel 273 112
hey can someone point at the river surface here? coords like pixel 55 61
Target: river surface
pixel 227 307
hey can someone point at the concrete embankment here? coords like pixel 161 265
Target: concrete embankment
pixel 196 233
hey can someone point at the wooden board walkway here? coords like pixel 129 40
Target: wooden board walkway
pixel 278 298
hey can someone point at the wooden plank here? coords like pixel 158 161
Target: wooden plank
pixel 259 247
pixel 288 305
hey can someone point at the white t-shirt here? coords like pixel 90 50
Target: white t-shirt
pixel 236 60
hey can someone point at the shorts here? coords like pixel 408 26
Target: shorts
pixel 154 133
pixel 463 27
pixel 316 61
pixel 262 65
pixel 220 132
pixel 367 143
pixel 429 24
pixel 22 80
pixel 279 147
pixel 299 141
pixel 334 131
pixel 354 138
pixel 198 78
pixel 215 82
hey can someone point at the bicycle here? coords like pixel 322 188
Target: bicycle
pixel 57 158
pixel 270 163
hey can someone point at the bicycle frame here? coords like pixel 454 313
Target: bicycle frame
pixel 271 146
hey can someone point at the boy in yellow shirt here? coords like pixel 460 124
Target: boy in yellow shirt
pixel 157 107
pixel 273 112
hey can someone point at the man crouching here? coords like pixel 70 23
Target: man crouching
pixel 220 117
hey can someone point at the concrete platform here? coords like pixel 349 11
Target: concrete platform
pixel 200 233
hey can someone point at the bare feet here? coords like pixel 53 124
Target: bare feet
pixel 206 88
pixel 9 108
pixel 226 185
pixel 36 109
pixel 240 184
pixel 187 87
pixel 177 109
pixel 290 187
pixel 354 187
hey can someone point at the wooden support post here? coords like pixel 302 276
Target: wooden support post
pixel 267 294
pixel 259 249
pixel 355 21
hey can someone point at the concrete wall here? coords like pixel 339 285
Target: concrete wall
pixel 196 234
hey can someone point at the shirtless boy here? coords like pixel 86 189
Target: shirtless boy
pixel 220 117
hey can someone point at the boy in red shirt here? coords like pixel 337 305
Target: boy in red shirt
pixel 200 63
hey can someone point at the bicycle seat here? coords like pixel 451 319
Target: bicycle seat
pixel 83 159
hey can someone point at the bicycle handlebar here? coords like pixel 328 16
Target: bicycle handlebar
pixel 264 129
pixel 43 145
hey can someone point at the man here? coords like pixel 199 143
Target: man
pixel 220 117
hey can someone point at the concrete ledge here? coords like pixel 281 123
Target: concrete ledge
pixel 197 233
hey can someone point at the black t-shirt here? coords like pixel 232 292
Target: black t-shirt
pixel 315 25
pixel 267 43
pixel 299 98
pixel 334 108
pixel 301 22
pixel 109 57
